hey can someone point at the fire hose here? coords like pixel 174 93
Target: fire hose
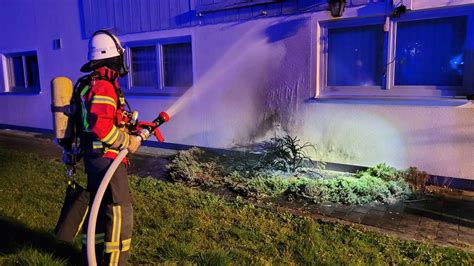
pixel 144 131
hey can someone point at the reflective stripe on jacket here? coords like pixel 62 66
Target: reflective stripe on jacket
pixel 101 106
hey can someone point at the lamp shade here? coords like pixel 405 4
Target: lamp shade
pixel 337 7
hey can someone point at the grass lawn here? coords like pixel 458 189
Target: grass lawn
pixel 174 223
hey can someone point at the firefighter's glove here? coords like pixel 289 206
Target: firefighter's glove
pixel 126 141
pixel 133 144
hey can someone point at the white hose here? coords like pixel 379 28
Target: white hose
pixel 91 258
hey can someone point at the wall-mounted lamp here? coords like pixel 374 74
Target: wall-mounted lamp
pixel 399 10
pixel 337 7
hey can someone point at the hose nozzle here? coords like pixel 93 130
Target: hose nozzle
pixel 145 129
pixel 162 118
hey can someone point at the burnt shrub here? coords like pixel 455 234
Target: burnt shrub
pixel 287 154
pixel 416 178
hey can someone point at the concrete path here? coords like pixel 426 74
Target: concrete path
pixel 442 221
pixel 412 220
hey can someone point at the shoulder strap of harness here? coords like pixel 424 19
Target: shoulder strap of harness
pixel 110 77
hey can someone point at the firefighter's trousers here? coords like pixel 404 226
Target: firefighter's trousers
pixel 115 219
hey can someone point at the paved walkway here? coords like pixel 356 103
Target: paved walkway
pixel 412 220
pixel 442 221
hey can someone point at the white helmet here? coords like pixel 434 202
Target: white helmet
pixel 104 47
pixel 104 44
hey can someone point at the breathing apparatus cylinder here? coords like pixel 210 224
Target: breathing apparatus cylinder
pixel 76 203
pixel 61 93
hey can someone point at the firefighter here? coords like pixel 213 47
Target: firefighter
pixel 104 135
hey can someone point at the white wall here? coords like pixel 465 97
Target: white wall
pixel 29 25
pixel 253 80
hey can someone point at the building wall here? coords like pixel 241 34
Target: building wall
pixel 254 79
pixel 134 16
pixel 29 25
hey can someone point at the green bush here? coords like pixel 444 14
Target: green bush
pixel 383 171
pixel 399 189
pixel 309 189
pixel 196 167
pixel 361 189
pixel 258 186
pixel 380 183
pixel 343 189
pixel 269 186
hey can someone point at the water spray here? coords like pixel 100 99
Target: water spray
pixel 234 55
pixel 144 130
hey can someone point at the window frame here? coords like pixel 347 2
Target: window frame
pixel 7 74
pixel 160 89
pixel 129 77
pixel 162 69
pixel 325 26
pixel 388 87
pixel 435 90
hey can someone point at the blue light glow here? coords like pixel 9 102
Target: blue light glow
pixel 457 63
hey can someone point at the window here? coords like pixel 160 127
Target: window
pixel 421 54
pixel 357 62
pixel 162 67
pixel 143 67
pixel 22 73
pixel 430 52
pixel 177 65
pixel 353 57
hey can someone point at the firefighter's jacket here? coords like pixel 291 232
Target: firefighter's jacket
pixel 103 114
